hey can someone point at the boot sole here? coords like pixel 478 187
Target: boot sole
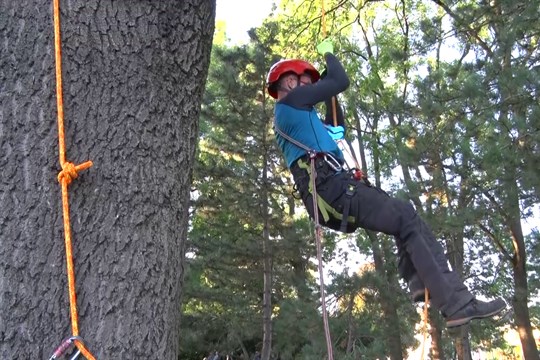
pixel 465 320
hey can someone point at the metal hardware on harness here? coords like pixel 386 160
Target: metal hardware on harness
pixel 328 158
pixel 332 162
pixel 349 193
pixel 64 346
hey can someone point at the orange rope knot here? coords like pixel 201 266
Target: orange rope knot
pixel 70 171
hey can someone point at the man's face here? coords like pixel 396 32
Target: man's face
pixel 305 79
pixel 293 80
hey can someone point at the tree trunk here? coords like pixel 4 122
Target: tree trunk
pixel 437 349
pixel 388 304
pixel 267 263
pixel 133 75
pixel 455 251
pixel 462 343
pixel 351 332
pixel 511 212
pixel 521 292
pixel 391 323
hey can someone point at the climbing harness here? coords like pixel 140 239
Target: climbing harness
pixel 326 209
pixel 68 173
pixel 329 213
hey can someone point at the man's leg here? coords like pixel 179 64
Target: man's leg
pixel 376 211
pixel 408 273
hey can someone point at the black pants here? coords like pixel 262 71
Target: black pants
pixel 374 210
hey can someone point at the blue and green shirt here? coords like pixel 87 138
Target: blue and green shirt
pixel 296 116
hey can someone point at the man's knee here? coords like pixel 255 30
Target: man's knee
pixel 406 210
pixel 408 220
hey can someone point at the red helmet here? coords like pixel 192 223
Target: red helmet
pixel 298 67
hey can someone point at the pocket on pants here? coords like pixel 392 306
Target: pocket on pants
pixel 332 190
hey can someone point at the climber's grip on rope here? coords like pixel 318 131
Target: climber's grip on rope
pixel 333 115
pixel 325 47
pixel 336 132
pixel 333 120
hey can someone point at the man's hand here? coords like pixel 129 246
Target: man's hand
pixel 325 46
pixel 336 132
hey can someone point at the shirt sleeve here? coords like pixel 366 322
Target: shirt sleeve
pixel 307 96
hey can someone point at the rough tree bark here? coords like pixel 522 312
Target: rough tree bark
pixel 134 73
pixel 267 257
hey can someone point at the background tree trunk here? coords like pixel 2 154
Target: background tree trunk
pixel 134 73
pixel 267 259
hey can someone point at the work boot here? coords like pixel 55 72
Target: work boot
pixel 417 289
pixel 475 309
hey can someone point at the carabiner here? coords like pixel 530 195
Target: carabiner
pixel 332 162
pixel 64 346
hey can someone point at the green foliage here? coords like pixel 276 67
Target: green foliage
pixel 224 280
pixel 445 100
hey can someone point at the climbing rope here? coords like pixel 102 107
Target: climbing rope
pixel 318 233
pixel 323 20
pixel 318 241
pixel 323 28
pixel 425 329
pixel 347 148
pixel 68 173
pixel 318 228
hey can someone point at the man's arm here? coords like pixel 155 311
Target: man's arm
pixel 307 96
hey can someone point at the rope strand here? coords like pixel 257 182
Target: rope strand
pixel 426 318
pixel 318 241
pixel 68 173
pixel 323 19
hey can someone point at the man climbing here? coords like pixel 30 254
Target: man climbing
pixel 346 203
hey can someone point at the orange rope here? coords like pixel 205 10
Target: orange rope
pixel 68 173
pixel 426 303
pixel 323 26
pixel 323 19
pixel 334 110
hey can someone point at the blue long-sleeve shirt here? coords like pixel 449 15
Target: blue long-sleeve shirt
pixel 296 116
